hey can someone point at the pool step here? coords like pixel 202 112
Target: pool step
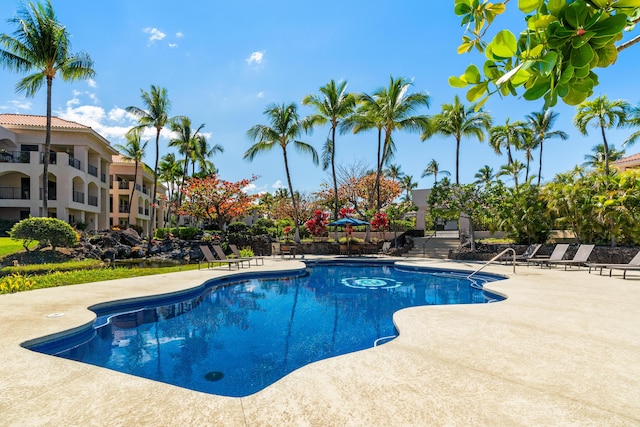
pixel 436 247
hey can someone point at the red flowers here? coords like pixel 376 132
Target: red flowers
pixel 318 224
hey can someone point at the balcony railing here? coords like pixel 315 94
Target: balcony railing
pixel 92 170
pixel 10 193
pixel 78 197
pixel 74 163
pixel 145 190
pixel 14 156
pixel 140 210
pixel 123 209
pixel 53 158
pixel 123 185
pixel 51 195
pixel 93 200
pixel 103 178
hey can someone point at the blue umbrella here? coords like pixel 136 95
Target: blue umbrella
pixel 347 221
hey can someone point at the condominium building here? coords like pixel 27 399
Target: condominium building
pixel 79 166
pixel 629 162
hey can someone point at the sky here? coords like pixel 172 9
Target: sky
pixel 222 63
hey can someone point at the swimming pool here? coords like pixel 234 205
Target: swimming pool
pixel 237 335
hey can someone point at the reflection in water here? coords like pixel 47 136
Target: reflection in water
pixel 237 339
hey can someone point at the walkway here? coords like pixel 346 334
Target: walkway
pixel 563 349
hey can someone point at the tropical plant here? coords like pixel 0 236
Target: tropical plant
pixel 133 151
pixel 460 121
pixel 394 172
pixel 394 109
pixel 522 214
pixel 201 156
pixel 512 170
pixel 333 105
pixel 633 120
pixel 556 53
pixel 40 43
pixel 596 160
pixel 185 142
pixel 540 124
pixel 484 175
pixel 155 114
pixel 170 172
pixel 433 168
pixel 603 114
pixel 45 231
pixel 317 225
pixel 407 185
pixel 507 136
pixel 285 128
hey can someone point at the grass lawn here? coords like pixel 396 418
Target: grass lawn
pixel 9 246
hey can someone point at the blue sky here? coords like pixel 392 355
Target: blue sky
pixel 224 62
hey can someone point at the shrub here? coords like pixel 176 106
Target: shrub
pixel 262 226
pixel 188 233
pixel 45 231
pixel 5 226
pixel 163 233
pixel 15 283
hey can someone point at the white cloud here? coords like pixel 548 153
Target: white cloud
pixel 17 106
pixel 277 184
pixel 249 187
pixel 173 44
pixel 154 34
pixel 179 34
pixel 260 94
pixel 255 58
pixel 92 83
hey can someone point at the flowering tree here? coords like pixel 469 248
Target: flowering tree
pixel 380 222
pixel 318 224
pixel 216 200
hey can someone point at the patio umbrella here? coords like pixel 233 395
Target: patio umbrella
pixel 344 222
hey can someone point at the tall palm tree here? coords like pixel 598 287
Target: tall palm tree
pixel 201 153
pixel 284 129
pixel 596 160
pixel 513 170
pixel 42 44
pixel 541 124
pixel 407 185
pixel 604 114
pixel 484 176
pixel 333 105
pixel 394 172
pixel 155 114
pixel 133 151
pixel 433 168
pixel 460 121
pixel 507 136
pixel 185 142
pixel 396 112
pixel 633 120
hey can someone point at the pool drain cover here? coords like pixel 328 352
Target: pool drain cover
pixel 214 376
pixel 371 283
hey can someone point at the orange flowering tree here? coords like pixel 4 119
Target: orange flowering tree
pixel 214 199
pixel 359 195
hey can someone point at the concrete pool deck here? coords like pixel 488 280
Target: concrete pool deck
pixel 562 349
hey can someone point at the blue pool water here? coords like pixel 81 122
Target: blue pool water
pixel 236 338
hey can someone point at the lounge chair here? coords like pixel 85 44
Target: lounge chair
pixel 581 257
pixel 386 248
pixel 220 254
pixel 525 256
pixel 236 252
pixel 556 255
pixel 208 255
pixel 633 265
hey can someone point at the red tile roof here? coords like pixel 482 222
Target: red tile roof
pixel 38 121
pixel 628 159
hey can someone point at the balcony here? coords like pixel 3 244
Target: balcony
pixel 140 210
pixel 93 200
pixel 103 178
pixel 14 156
pixel 123 185
pixel 123 209
pixel 78 197
pixel 53 158
pixel 51 195
pixel 13 193
pixel 145 190
pixel 92 170
pixel 75 163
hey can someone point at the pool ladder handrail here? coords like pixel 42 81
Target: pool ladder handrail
pixel 495 258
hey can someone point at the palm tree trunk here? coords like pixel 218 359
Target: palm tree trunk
pixel 296 237
pixel 381 158
pixel 335 179
pixel 184 176
pixel 606 151
pixel 153 196
pixel 540 165
pixel 47 150
pixel 457 160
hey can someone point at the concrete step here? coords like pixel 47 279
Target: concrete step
pixel 434 247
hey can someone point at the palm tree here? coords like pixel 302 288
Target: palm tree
pixel 155 114
pixel 133 151
pixel 285 128
pixel 596 160
pixel 333 105
pixel 605 114
pixel 433 168
pixel 169 172
pixel 507 136
pixel 202 153
pixel 513 170
pixel 396 111
pixel 185 142
pixel 633 120
pixel 541 124
pixel 42 44
pixel 484 176
pixel 460 121
pixel 394 172
pixel 408 185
